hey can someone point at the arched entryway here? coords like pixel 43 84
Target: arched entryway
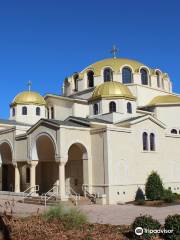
pixel 76 169
pixel 7 168
pixel 47 169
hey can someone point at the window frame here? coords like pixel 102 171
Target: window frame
pixel 95 109
pixel 24 111
pixel 124 75
pixel 38 111
pixel 144 81
pixel 90 78
pixel 129 107
pixel 145 142
pixel 112 107
pixel 107 77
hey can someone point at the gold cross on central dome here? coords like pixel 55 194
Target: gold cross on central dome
pixel 29 85
pixel 114 51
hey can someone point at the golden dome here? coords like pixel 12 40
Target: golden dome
pixel 110 90
pixel 29 97
pixel 164 99
pixel 115 64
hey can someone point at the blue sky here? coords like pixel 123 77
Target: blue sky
pixel 45 41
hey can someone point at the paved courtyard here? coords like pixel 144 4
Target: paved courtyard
pixel 125 214
pixel 110 214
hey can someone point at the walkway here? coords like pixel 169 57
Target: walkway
pixel 110 214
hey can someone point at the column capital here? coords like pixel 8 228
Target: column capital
pixel 32 163
pixel 15 164
pixel 62 159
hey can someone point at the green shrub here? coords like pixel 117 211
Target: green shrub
pixel 169 196
pixel 154 187
pixel 145 222
pixel 177 195
pixel 140 198
pixel 172 223
pixel 70 217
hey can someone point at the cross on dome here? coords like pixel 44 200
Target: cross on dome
pixel 29 85
pixel 114 51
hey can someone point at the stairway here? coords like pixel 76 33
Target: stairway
pixel 54 201
pixel 38 201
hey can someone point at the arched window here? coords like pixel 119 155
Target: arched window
pixel 158 79
pixel 145 141
pixel 129 107
pixel 90 78
pixel 174 131
pixel 152 142
pixel 95 109
pixel 13 112
pixel 144 77
pixel 108 75
pixel 126 75
pixel 24 110
pixel 27 175
pixel 112 107
pixel 52 113
pixel 76 82
pixel 38 111
pixel 48 113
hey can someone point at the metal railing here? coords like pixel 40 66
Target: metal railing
pixel 87 194
pixel 49 195
pixel 30 191
pixel 74 195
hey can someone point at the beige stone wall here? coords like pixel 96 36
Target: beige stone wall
pixel 129 165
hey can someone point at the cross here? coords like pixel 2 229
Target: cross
pixel 114 51
pixel 29 85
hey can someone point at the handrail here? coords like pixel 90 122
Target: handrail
pixel 29 193
pixel 92 197
pixel 46 195
pixel 76 196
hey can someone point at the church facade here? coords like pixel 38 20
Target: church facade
pixel 116 121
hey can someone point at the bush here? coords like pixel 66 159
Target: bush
pixel 146 222
pixel 172 223
pixel 169 196
pixel 154 187
pixel 140 198
pixel 70 217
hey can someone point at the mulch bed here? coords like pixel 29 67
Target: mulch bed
pixel 157 203
pixel 36 228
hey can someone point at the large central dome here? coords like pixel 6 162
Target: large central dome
pixel 112 90
pixel 115 64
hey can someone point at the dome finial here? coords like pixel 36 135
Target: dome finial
pixel 29 85
pixel 114 51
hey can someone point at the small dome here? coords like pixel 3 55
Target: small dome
pixel 164 99
pixel 29 97
pixel 111 90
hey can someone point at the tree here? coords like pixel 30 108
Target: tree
pixel 154 187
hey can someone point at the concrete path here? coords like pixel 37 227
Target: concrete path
pixel 110 214
pixel 18 209
pixel 125 214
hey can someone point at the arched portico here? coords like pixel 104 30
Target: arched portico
pixel 7 168
pixel 46 167
pixel 76 168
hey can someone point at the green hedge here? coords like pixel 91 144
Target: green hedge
pixel 145 222
pixel 172 223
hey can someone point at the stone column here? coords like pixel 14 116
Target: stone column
pixel 33 165
pixel 62 180
pixel 1 176
pixel 17 179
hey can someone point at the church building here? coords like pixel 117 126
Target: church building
pixel 115 122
